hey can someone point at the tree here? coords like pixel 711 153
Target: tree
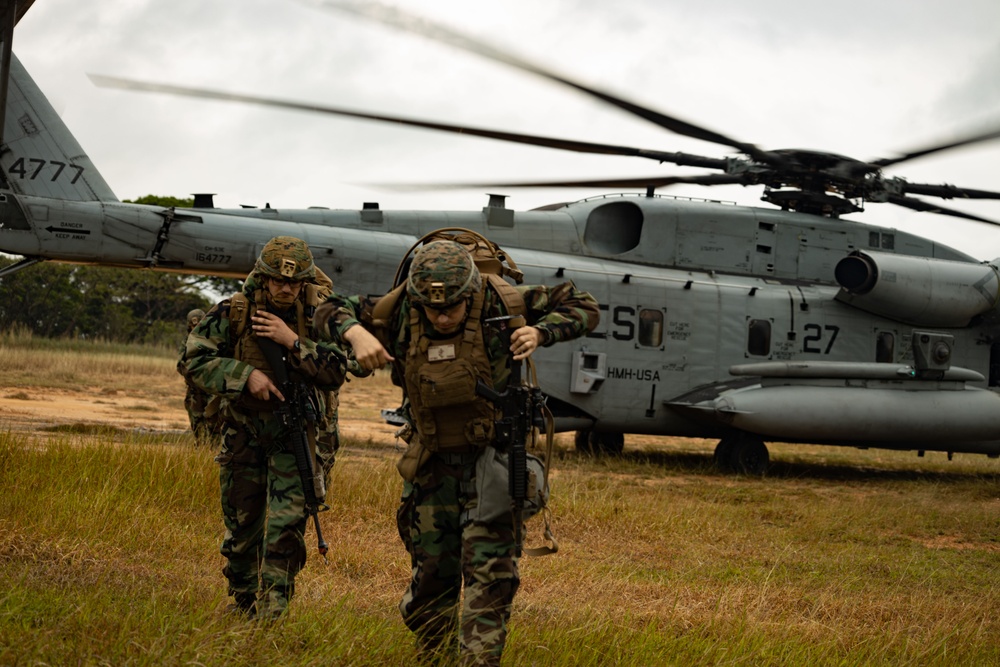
pixel 121 305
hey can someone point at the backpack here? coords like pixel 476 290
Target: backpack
pixel 492 261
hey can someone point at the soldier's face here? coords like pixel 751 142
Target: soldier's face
pixel 283 292
pixel 447 320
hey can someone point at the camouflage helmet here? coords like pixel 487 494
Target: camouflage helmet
pixel 194 317
pixel 287 258
pixel 442 274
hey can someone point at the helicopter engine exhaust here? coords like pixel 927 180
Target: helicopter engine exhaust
pixel 918 290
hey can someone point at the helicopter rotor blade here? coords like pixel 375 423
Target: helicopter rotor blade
pixel 396 18
pixel 976 138
pixel 946 191
pixel 644 182
pixel 921 205
pixel 683 159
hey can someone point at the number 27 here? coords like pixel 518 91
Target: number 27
pixel 814 336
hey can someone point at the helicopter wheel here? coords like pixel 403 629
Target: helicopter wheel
pixel 748 456
pixel 593 442
pixel 723 453
pixel 581 440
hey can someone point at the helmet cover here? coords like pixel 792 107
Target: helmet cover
pixel 194 317
pixel 286 258
pixel 442 274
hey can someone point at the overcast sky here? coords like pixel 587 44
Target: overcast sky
pixel 861 78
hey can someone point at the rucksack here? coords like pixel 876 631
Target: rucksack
pixel 491 260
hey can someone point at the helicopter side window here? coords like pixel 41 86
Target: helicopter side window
pixel 759 338
pixel 650 327
pixel 885 347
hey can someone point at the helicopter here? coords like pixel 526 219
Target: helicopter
pixel 740 324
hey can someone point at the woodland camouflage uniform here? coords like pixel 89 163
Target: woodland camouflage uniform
pixel 206 428
pixel 448 548
pixel 263 503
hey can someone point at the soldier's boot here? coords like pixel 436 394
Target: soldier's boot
pixel 245 605
pixel 437 643
pixel 274 603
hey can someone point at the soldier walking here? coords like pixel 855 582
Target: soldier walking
pixel 205 427
pixel 439 343
pixel 263 497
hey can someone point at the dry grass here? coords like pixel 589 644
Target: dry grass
pixel 113 366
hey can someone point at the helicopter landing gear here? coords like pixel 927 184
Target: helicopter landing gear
pixel 593 442
pixel 743 454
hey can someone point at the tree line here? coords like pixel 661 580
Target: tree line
pixel 120 305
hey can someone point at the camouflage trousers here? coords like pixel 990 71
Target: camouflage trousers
pixel 263 509
pixel 207 430
pixel 448 552
pixel 328 437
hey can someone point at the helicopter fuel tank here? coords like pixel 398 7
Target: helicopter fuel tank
pixel 859 402
pixel 918 290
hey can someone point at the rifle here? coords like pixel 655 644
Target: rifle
pixel 295 412
pixel 520 407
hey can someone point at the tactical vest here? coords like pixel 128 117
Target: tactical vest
pixel 439 376
pixel 244 342
pixel 440 379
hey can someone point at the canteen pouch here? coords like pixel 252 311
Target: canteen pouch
pixel 493 493
pixel 413 458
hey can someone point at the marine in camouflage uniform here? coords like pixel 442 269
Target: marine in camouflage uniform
pixel 206 428
pixel 263 503
pixel 445 303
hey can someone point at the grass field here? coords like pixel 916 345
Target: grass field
pixel 109 554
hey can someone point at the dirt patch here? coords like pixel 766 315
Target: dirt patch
pixel 41 409
pixel 44 411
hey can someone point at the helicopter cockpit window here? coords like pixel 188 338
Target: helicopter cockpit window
pixel 885 347
pixel 614 228
pixel 650 327
pixel 759 338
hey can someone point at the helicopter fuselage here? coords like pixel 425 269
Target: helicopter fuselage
pixel 689 291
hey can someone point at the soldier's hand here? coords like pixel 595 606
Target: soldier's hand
pixel 367 350
pixel 524 341
pixel 260 386
pixel 269 325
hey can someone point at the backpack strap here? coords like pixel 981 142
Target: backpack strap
pixel 512 299
pixel 239 314
pixel 381 314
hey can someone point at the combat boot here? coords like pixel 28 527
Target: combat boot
pixel 245 605
pixel 274 602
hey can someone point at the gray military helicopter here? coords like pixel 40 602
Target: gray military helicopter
pixel 742 324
